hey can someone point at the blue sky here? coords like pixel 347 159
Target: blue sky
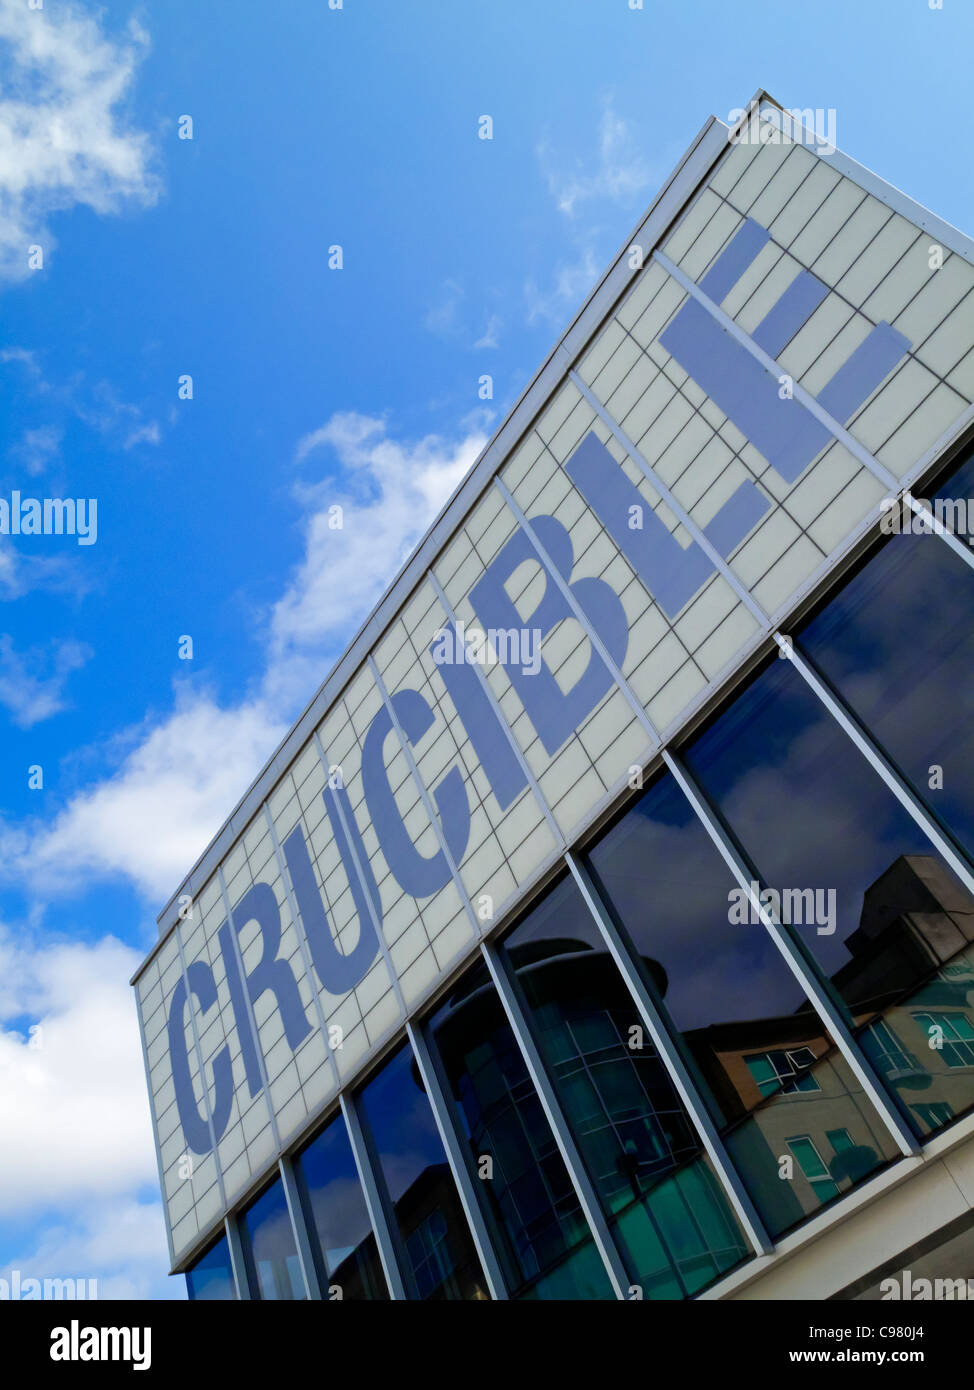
pixel 162 257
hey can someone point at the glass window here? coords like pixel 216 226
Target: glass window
pixel 813 1166
pixel 865 892
pixel 269 1249
pixel 544 1238
pixel 211 1277
pixel 783 1071
pixel 335 1210
pixel 952 1035
pixel 663 1202
pixel 438 1254
pixel 897 643
pixel 761 1051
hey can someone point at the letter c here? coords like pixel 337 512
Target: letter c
pixel 199 980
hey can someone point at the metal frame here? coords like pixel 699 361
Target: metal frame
pixel 685 1086
pixel 938 529
pixel 385 1237
pixel 302 1236
pixel 880 764
pixel 456 1156
pixel 588 1198
pixel 238 1261
pixel 817 995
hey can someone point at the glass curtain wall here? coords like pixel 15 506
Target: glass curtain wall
pixel 437 1253
pixel 663 1202
pixel 335 1211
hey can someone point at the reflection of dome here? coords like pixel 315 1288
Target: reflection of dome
pixel 569 956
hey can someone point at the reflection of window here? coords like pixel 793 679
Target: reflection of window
pixel 211 1277
pixel 934 1113
pixel 268 1242
pixel 784 1070
pixel 334 1206
pixel 885 1050
pixel 429 1253
pixel 840 1139
pixel 958 1037
pixel 812 1164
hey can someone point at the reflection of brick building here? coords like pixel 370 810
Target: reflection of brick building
pixel 916 919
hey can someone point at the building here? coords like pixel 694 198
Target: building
pixel 603 927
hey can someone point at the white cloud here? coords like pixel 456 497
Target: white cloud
pixel 77 1082
pixel 119 1242
pixel 490 338
pixel 572 283
pixel 63 141
pixel 151 820
pixel 442 317
pixel 73 1107
pixel 621 173
pixel 37 448
pixel 389 493
pixel 32 683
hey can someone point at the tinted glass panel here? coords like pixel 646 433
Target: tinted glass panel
pixel 872 902
pixel 269 1248
pixel 335 1210
pixel 439 1256
pixel 763 1053
pixel 549 1250
pixel 897 642
pixel 666 1208
pixel 212 1276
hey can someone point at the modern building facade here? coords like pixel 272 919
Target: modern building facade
pixel 604 928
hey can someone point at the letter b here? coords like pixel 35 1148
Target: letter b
pixel 555 714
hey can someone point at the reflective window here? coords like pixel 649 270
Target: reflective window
pixel 762 1052
pixel 211 1277
pixel 897 643
pixel 548 1248
pixel 335 1210
pixel 872 902
pixel 438 1253
pixel 663 1202
pixel 269 1249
